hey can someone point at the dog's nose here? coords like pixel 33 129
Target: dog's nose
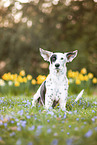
pixel 57 65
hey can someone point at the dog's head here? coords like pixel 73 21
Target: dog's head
pixel 58 60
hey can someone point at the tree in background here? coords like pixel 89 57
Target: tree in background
pixel 55 25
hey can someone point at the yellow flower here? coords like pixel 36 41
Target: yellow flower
pixel 70 73
pixel 94 80
pixel 17 84
pixel 90 75
pixel 80 77
pixel 33 81
pixel 13 77
pixel 22 73
pixel 25 80
pixel 19 79
pixel 40 79
pixel 6 76
pixel 78 82
pixel 83 71
pixel 9 76
pixel 74 75
pixel 86 78
pixel 29 77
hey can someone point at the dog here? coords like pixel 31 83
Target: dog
pixel 55 88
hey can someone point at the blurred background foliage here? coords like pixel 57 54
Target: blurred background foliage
pixel 55 25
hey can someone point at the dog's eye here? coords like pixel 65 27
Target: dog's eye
pixel 62 58
pixel 53 58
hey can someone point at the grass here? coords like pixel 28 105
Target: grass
pixel 22 124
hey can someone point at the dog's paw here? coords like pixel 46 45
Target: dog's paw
pixel 33 103
pixel 67 111
pixel 44 111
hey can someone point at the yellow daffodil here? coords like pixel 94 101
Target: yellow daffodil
pixel 29 77
pixel 78 82
pixel 90 75
pixel 83 71
pixel 70 73
pixel 6 76
pixel 94 80
pixel 19 79
pixel 22 73
pixel 17 84
pixel 80 77
pixel 86 78
pixel 25 80
pixel 13 77
pixel 40 79
pixel 33 81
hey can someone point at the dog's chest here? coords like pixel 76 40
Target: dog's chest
pixel 56 86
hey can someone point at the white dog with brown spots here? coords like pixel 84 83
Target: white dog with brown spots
pixel 55 88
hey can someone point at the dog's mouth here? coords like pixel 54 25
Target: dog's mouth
pixel 57 69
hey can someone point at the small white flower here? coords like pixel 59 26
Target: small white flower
pixel 71 80
pixel 2 83
pixel 10 83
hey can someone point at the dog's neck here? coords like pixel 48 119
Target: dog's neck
pixel 58 74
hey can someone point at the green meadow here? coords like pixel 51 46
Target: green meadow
pixel 22 124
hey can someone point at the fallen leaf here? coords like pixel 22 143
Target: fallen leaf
pixel 13 128
pixel 2 142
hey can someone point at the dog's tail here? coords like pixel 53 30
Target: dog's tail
pixel 79 96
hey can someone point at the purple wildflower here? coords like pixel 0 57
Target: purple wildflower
pixel 30 143
pixel 49 130
pixel 89 133
pixel 77 119
pixel 18 128
pixel 54 142
pixel 12 134
pixel 28 117
pixel 48 120
pixel 95 128
pixel 31 128
pixel 93 119
pixel 93 111
pixel 69 141
pixel 39 127
pixel 70 112
pixel 18 142
pixel 64 116
pixel 69 126
pixel 50 112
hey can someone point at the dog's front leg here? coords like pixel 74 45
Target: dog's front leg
pixel 63 100
pixel 48 101
pixel 35 97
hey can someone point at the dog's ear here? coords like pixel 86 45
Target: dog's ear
pixel 71 55
pixel 45 54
